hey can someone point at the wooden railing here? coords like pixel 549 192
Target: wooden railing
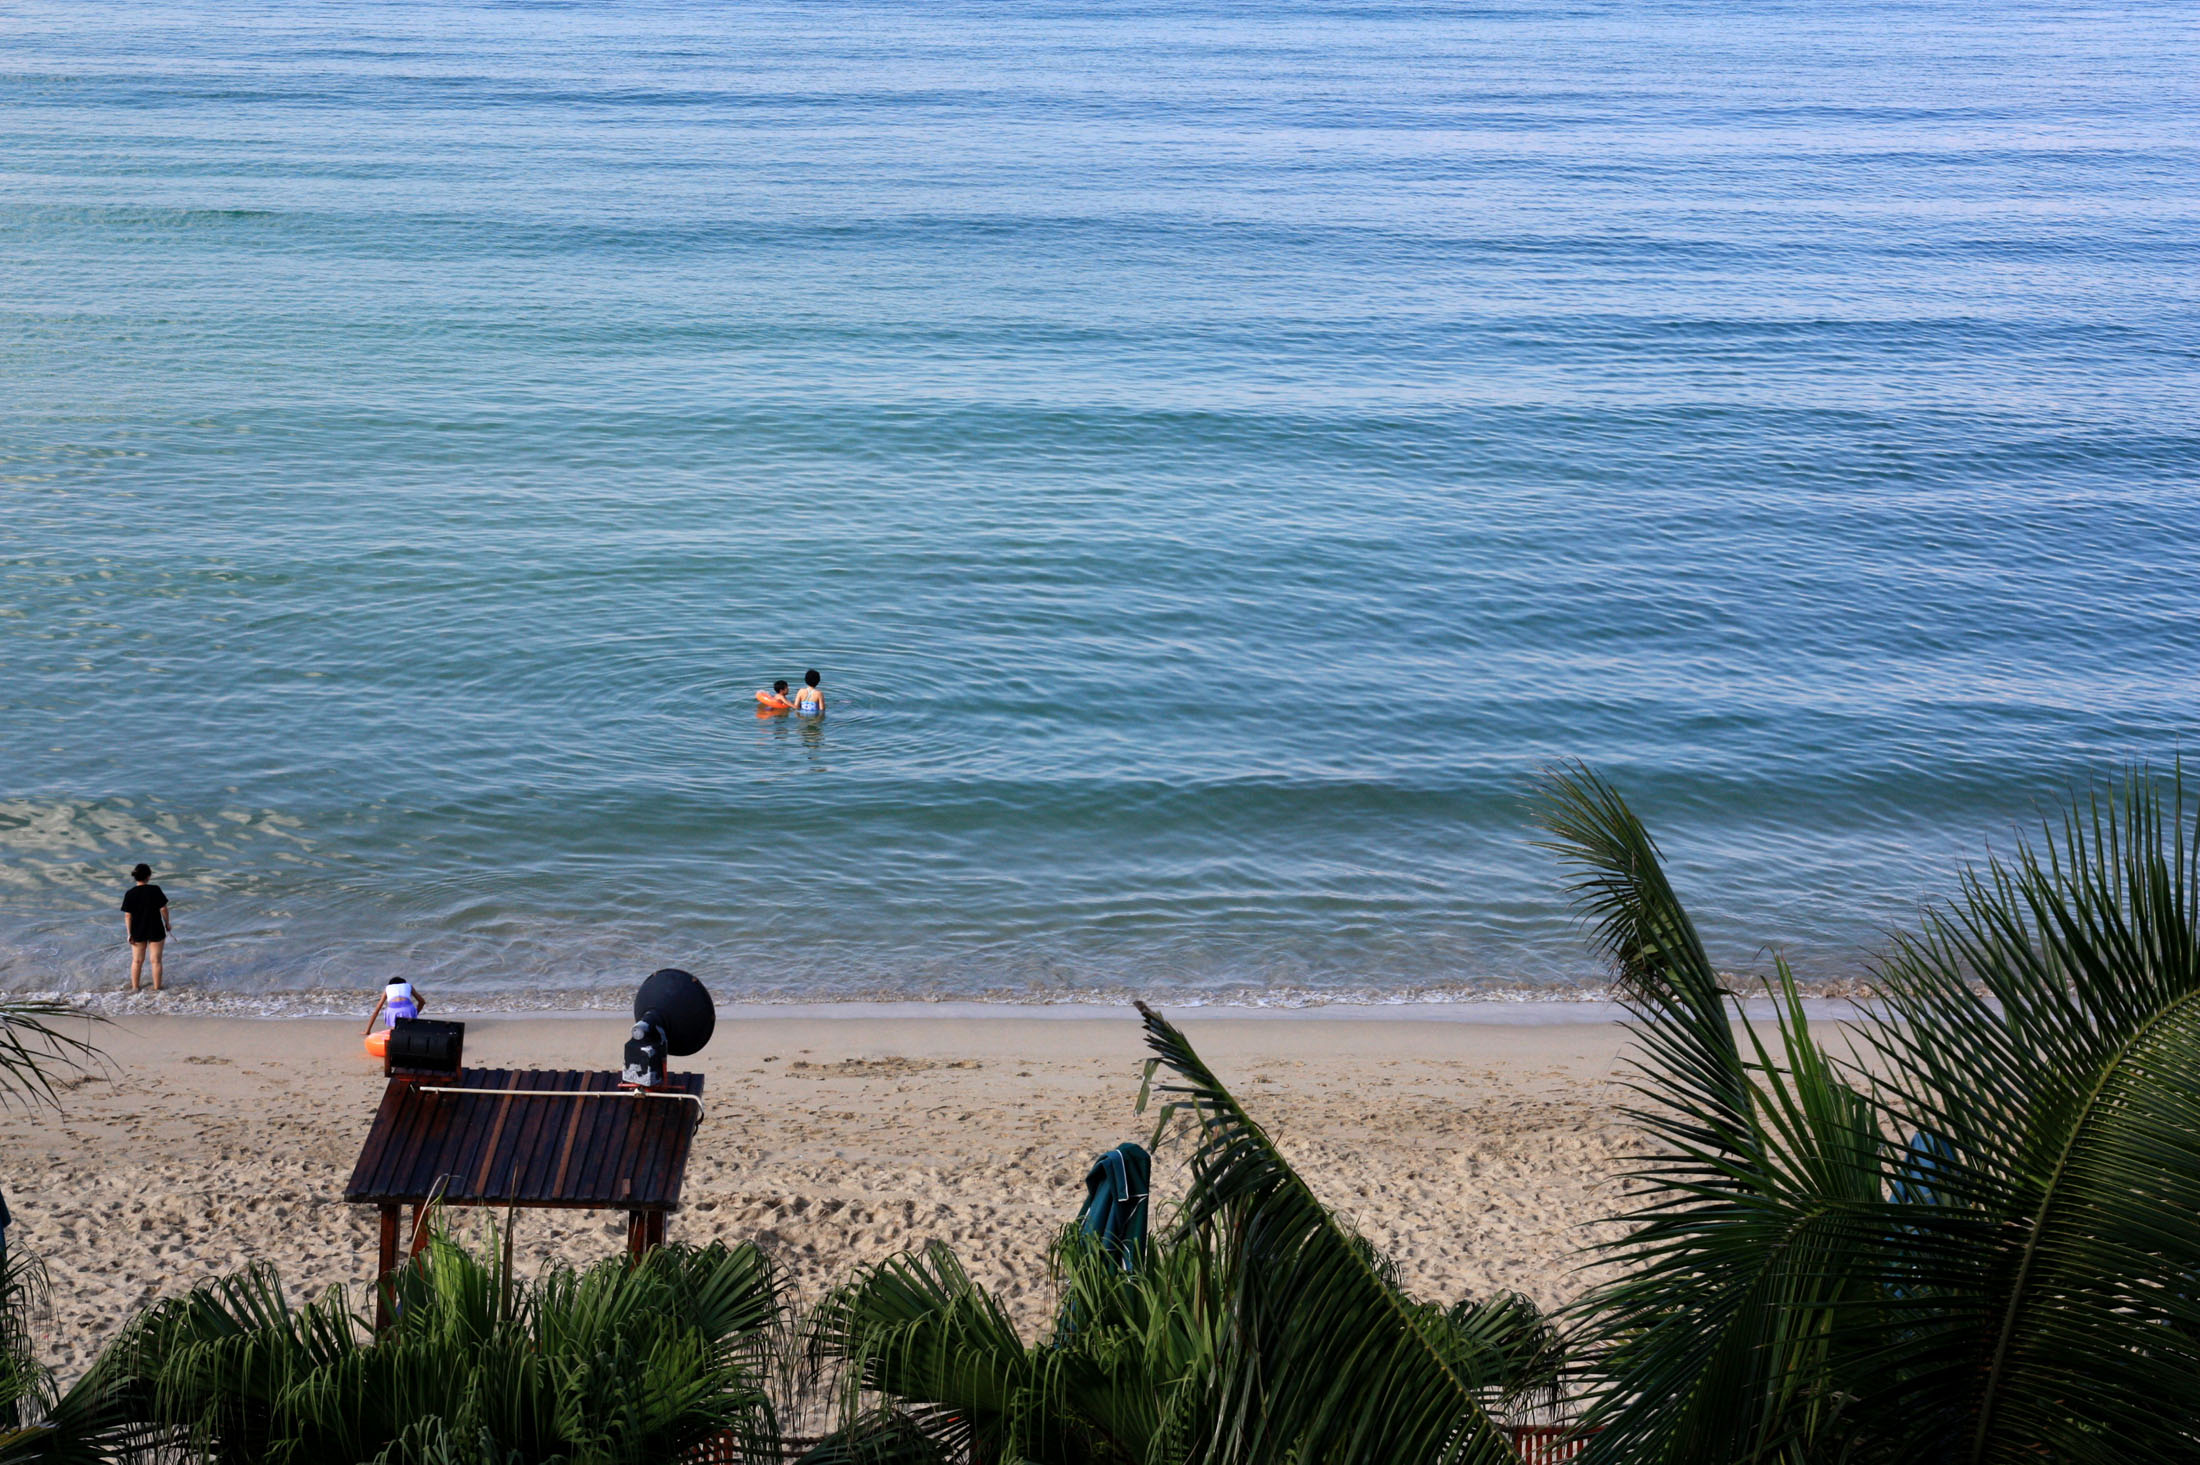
pixel 1535 1444
pixel 727 1449
pixel 1546 1444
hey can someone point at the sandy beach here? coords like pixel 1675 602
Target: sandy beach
pixel 1474 1153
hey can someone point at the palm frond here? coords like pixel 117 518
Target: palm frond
pixel 929 1354
pixel 1974 1243
pixel 880 1438
pixel 1692 1065
pixel 1510 1327
pixel 34 1048
pixel 97 1421
pixel 1713 1342
pixel 26 1386
pixel 2045 1030
pixel 615 1363
pixel 915 1330
pixel 1323 1357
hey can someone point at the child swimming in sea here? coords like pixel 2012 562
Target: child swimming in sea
pixel 775 700
pixel 811 699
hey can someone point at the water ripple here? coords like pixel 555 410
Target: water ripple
pixel 1215 459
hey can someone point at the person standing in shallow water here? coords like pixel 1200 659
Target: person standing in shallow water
pixel 811 699
pixel 145 920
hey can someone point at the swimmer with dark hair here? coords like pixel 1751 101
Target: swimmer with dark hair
pixel 810 701
pixel 775 700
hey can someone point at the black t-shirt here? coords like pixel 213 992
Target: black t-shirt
pixel 143 905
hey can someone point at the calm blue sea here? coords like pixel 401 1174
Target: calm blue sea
pixel 1215 453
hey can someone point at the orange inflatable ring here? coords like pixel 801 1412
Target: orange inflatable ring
pixel 378 1042
pixel 772 702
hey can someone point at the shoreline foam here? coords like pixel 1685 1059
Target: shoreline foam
pixel 1517 1007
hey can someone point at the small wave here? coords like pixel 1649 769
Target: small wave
pixel 1558 1003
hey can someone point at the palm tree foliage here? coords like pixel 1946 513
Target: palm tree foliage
pixel 33 1045
pixel 23 1380
pixel 1326 1359
pixel 35 1425
pixel 1975 1235
pixel 1257 1328
pixel 1115 1384
pixel 616 1363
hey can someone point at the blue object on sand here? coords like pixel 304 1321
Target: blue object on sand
pixel 1115 1199
pixel 1924 1160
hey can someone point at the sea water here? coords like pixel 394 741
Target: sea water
pixel 1216 455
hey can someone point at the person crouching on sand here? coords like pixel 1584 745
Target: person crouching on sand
pixel 145 922
pixel 401 999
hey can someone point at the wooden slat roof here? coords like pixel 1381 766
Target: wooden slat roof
pixel 619 1151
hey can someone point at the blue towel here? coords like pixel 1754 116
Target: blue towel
pixel 1115 1200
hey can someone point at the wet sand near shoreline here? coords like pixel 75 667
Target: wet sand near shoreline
pixel 1476 1154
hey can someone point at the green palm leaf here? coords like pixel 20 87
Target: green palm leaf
pixel 1799 1285
pixel 33 1047
pixel 1118 1381
pixel 1761 1189
pixel 617 1363
pixel 1323 1358
pixel 916 1330
pixel 25 1384
pixel 2047 1027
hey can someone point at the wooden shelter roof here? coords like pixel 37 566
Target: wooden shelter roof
pixel 565 1138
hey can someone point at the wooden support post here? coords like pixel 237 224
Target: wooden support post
pixel 644 1229
pixel 387 1263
